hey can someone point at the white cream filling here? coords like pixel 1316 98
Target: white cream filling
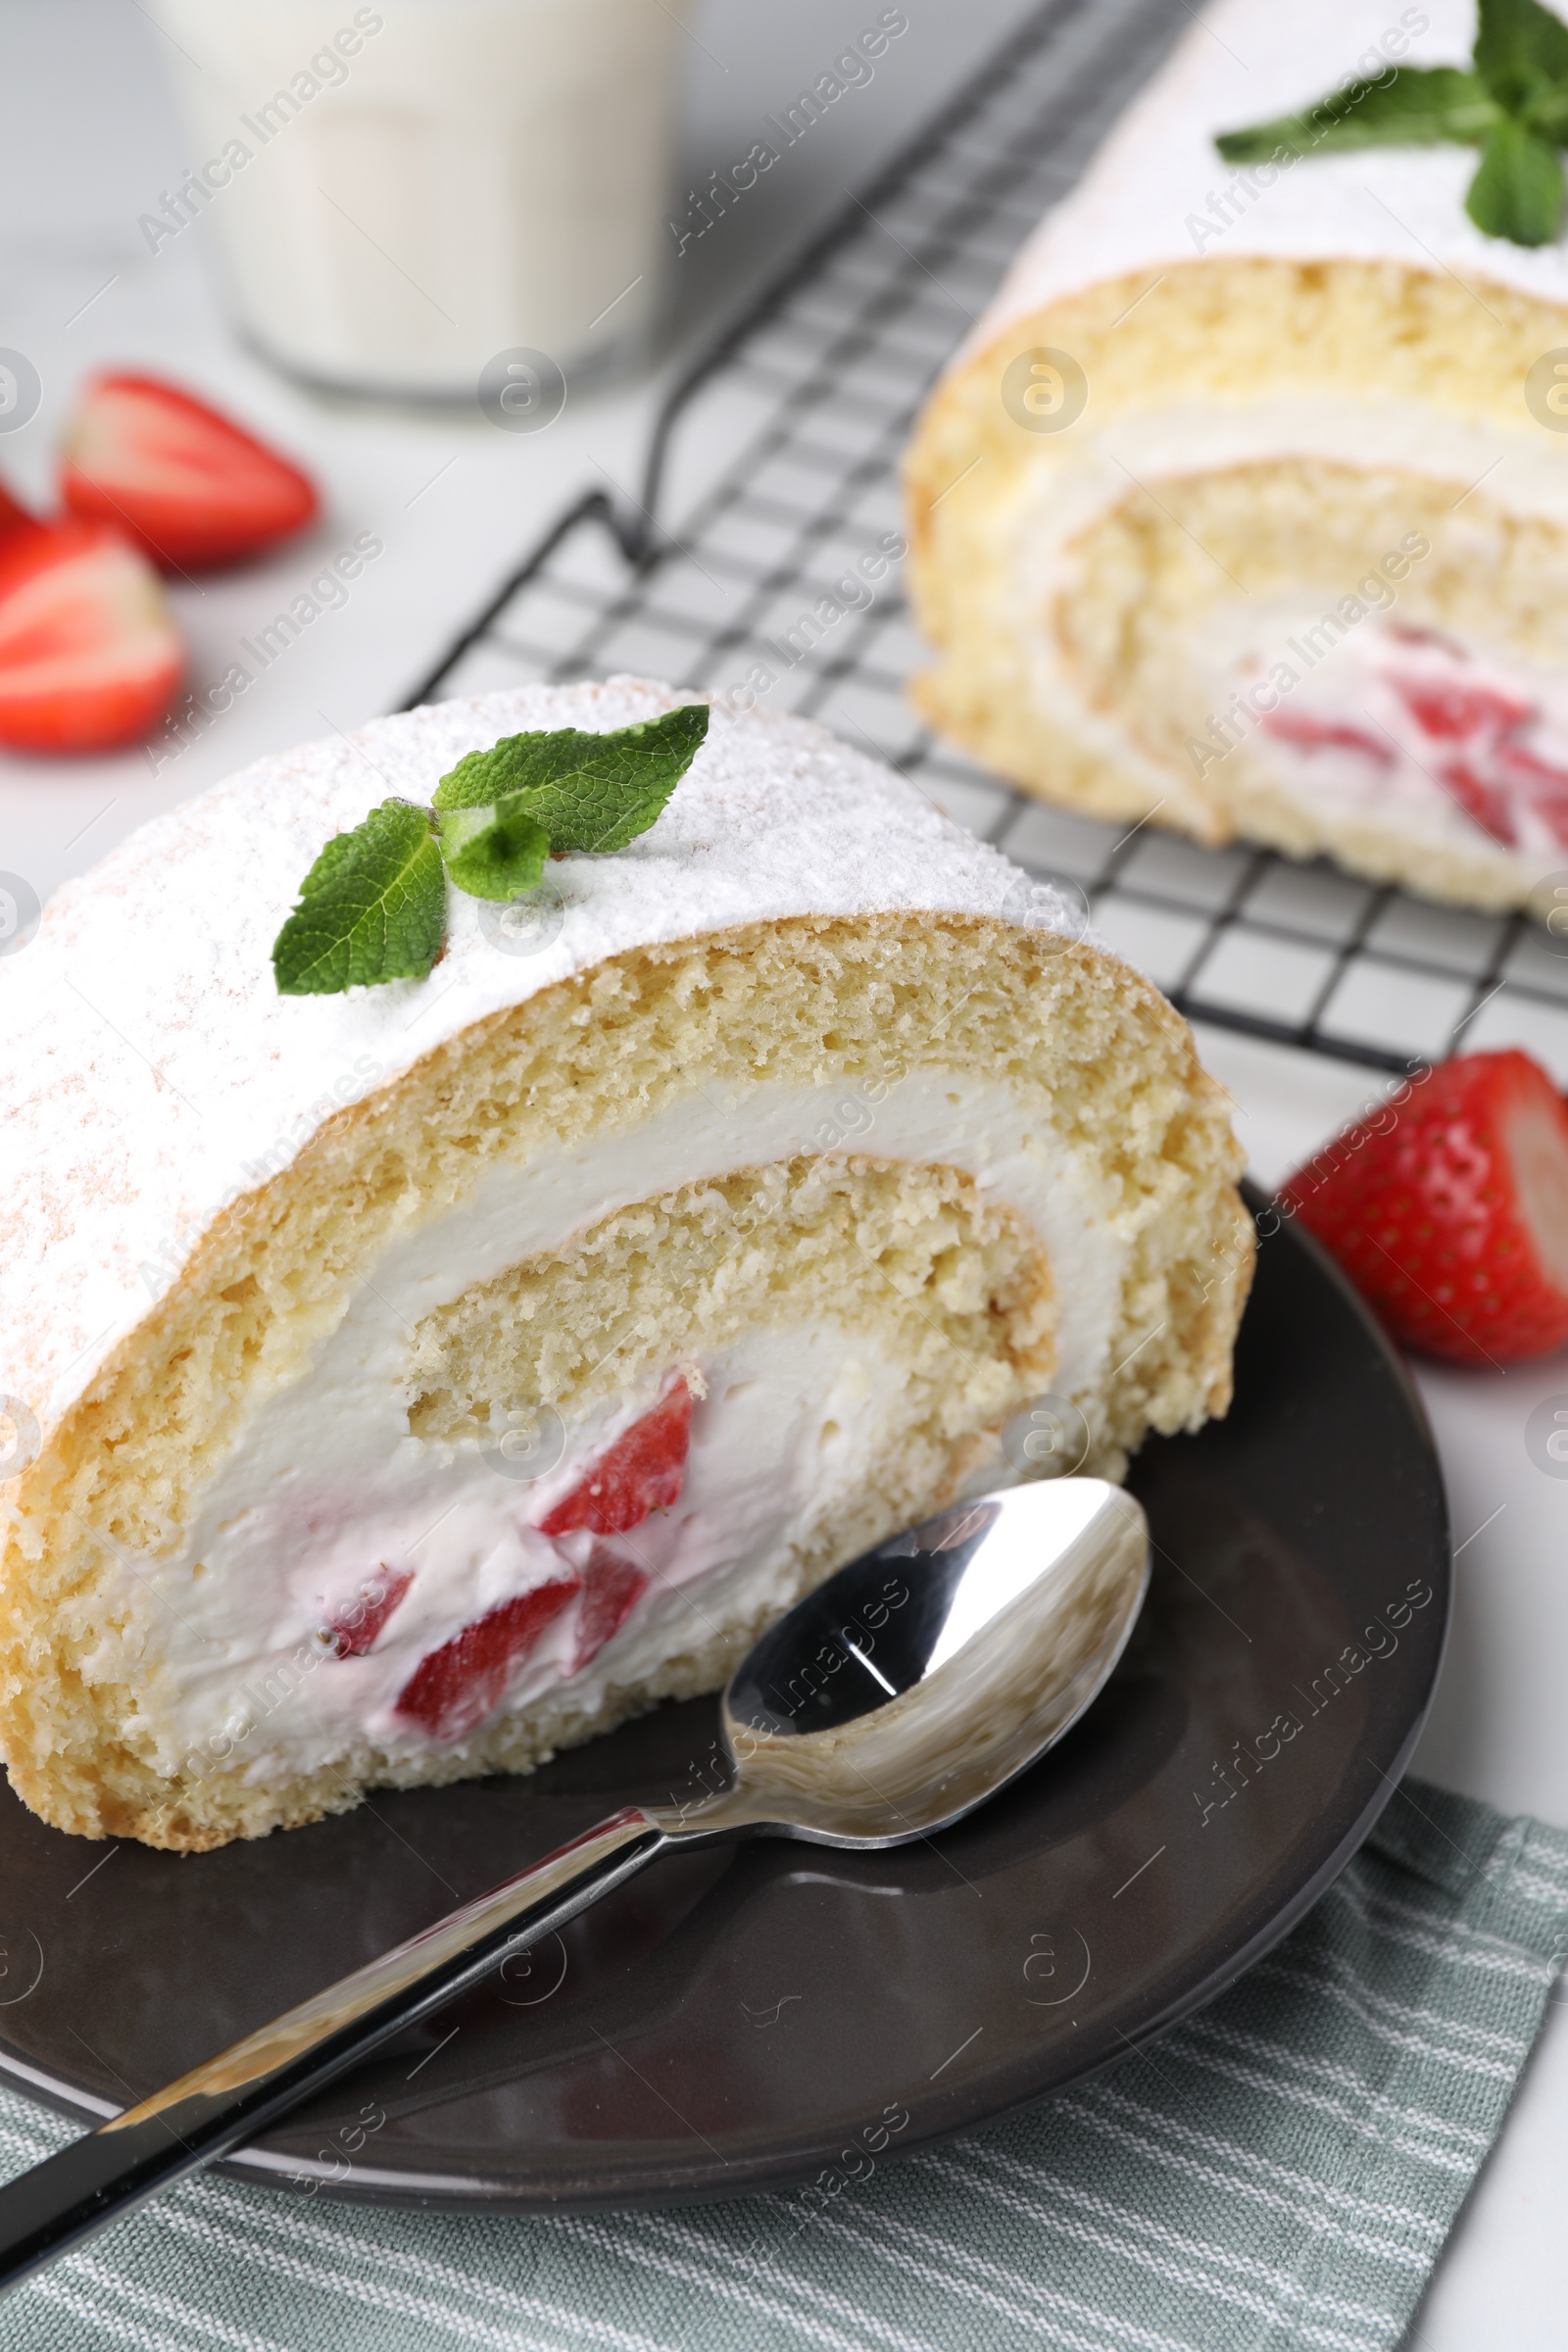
pixel 790 1413
pixel 1092 471
pixel 329 1483
pixel 1089 469
pixel 1524 469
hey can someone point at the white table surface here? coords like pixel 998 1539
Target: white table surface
pixel 87 139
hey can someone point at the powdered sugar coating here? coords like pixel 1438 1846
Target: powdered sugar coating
pixel 154 1073
pixel 1249 62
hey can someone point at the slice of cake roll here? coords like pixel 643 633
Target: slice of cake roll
pixel 1246 506
pixel 408 1381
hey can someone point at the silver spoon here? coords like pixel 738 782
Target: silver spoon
pixel 901 1693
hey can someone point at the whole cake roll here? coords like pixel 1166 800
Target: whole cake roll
pixel 1245 507
pixel 412 1376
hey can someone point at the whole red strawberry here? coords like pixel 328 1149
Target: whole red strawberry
pixel 1449 1210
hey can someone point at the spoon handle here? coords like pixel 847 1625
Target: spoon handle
pixel 217 2106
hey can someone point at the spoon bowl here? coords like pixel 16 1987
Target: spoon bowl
pixel 902 1692
pixel 919 1680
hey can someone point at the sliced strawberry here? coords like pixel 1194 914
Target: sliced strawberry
pixel 352 1626
pixel 1453 710
pixel 612 1588
pixel 1488 805
pixel 174 474
pixel 642 1472
pixel 89 656
pixel 1310 734
pixel 1453 1219
pixel 457 1685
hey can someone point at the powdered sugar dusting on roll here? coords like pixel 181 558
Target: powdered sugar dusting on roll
pixel 1150 198
pixel 155 1073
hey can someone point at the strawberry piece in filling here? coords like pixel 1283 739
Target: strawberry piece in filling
pixel 1545 785
pixel 643 1471
pixel 612 1588
pixel 1488 806
pixel 352 1628
pixel 1412 632
pixel 1494 778
pixel 1310 734
pixel 1457 711
pixel 1471 742
pixel 459 1684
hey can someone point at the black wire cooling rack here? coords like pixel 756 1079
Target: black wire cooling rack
pixel 797 416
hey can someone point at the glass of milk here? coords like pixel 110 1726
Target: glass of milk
pixel 410 194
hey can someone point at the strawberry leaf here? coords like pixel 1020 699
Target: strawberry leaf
pixel 1517 193
pixel 494 852
pixel 588 792
pixel 1419 106
pixel 373 907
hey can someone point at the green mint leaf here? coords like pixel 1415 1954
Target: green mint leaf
pixel 589 792
pixel 1517 194
pixel 373 907
pixel 1522 56
pixel 494 852
pixel 1416 108
pixel 1548 115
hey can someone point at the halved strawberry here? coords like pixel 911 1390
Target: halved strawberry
pixel 353 1624
pixel 14 516
pixel 642 1472
pixel 456 1687
pixel 89 656
pixel 1310 734
pixel 166 470
pixel 612 1588
pixel 1449 1210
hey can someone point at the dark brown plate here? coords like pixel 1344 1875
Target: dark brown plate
pixel 747 2017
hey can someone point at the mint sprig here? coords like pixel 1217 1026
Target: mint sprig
pixel 1513 104
pixel 373 906
pixel 1420 106
pixel 496 851
pixel 589 792
pixel 1517 193
pixel 1521 54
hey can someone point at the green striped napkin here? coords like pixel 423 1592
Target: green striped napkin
pixel 1282 2170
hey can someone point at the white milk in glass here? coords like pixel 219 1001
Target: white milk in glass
pixel 403 191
